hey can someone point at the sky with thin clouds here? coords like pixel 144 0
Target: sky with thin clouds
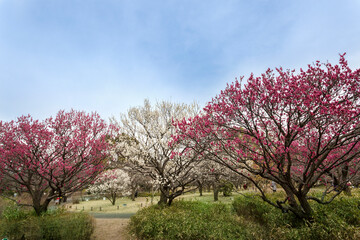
pixel 109 55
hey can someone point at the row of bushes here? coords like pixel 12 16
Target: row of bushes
pixel 16 223
pixel 186 220
pixel 338 220
pixel 247 218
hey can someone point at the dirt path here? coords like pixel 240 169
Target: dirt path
pixel 110 228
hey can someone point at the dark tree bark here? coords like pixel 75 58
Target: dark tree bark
pixel 216 192
pixel 200 185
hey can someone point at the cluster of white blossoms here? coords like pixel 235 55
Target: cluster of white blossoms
pixel 144 143
pixel 112 181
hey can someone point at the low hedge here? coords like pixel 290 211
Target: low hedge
pixel 148 194
pixel 249 217
pixel 187 220
pixel 56 225
pixel 337 220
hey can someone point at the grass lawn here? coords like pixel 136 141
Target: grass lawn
pixel 125 205
pixel 122 205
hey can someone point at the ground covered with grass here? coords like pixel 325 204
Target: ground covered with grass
pixel 122 205
pixel 247 217
pixel 125 205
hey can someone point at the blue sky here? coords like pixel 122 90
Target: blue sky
pixel 107 55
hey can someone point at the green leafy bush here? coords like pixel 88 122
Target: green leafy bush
pixel 187 220
pixel 338 220
pixel 226 188
pixel 251 208
pixel 19 224
pixel 14 212
pixel 249 217
pixel 345 207
pixel 148 194
pixel 67 226
pixel 20 229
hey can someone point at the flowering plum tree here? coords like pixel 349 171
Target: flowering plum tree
pixel 52 158
pixel 144 145
pixel 111 184
pixel 293 129
pixel 119 144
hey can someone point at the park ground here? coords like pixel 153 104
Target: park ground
pixel 111 220
pixel 111 228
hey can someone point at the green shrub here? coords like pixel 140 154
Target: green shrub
pixel 250 218
pixel 3 205
pixel 226 188
pixel 187 220
pixel 14 212
pixel 26 228
pixel 19 224
pixel 250 207
pixel 346 208
pixel 148 194
pixel 338 220
pixel 67 226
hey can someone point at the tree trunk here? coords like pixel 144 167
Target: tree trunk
pixel 307 212
pixel 40 208
pixel 133 195
pixel 216 192
pixel 164 193
pixel 300 208
pixel 170 201
pixel 163 199
pixel 200 188
pixel 112 198
pixel 344 179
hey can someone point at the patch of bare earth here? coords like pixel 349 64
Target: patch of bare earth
pixel 110 228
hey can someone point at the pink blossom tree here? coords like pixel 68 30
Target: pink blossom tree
pixel 295 129
pixel 52 158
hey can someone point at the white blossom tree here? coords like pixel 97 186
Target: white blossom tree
pixel 144 144
pixel 112 184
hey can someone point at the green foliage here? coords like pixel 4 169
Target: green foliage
pixel 251 208
pixel 148 194
pixel 27 228
pixel 338 220
pixel 347 208
pixel 248 217
pixel 14 212
pixel 67 226
pixel 3 204
pixel 187 220
pixel 226 188
pixel 19 224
